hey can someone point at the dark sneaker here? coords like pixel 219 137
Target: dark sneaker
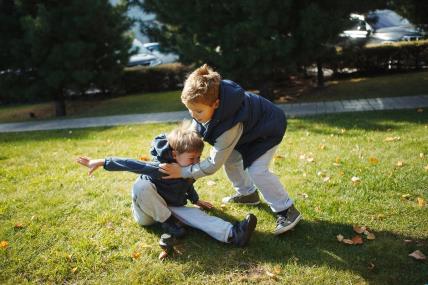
pixel 287 222
pixel 252 199
pixel 172 227
pixel 242 231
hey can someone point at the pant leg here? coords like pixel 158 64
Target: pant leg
pixel 240 178
pixel 268 183
pixel 198 219
pixel 148 206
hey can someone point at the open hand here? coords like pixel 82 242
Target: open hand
pixel 92 164
pixel 204 204
pixel 173 170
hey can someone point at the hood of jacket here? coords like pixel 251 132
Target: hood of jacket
pixel 160 150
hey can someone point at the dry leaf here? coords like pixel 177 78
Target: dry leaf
pixel 19 226
pixel 337 160
pixel 405 196
pixel 270 274
pixel 302 157
pixel 304 195
pixel 400 163
pixel 223 206
pixel 421 155
pixel 418 255
pixel 358 229
pixel 426 167
pixel 74 269
pixel 355 179
pixel 370 236
pixel 373 160
pixel 342 131
pixel 279 157
pixel 357 239
pixel 371 266
pixel 211 183
pixel 163 255
pixel 419 110
pixel 144 157
pixel 136 255
pixel 322 146
pixel 408 241
pixel 421 202
pixel 392 139
pixel 4 244
pixel 347 241
pixel 326 179
pixel 320 173
pixel 310 159
pixel 339 238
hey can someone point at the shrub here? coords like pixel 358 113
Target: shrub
pixel 154 79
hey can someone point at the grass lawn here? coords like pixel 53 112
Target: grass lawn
pixel 63 227
pixel 405 84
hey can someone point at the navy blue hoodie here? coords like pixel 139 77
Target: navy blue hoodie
pixel 264 123
pixel 175 192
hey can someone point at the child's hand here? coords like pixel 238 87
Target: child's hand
pixel 204 204
pixel 172 169
pixel 92 164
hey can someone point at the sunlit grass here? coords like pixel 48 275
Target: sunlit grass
pixel 79 230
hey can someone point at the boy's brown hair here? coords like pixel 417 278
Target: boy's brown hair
pixel 184 138
pixel 202 86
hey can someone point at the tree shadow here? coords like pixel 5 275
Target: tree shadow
pixel 384 260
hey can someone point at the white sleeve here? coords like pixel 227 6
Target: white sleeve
pixel 219 153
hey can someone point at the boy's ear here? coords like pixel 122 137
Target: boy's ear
pixel 216 104
pixel 174 154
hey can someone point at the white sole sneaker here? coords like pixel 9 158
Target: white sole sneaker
pixel 289 227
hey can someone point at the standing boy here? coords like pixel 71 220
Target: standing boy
pixel 158 200
pixel 245 131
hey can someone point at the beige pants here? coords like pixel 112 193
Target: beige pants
pixel 149 207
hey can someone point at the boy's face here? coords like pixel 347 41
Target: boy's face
pixel 202 112
pixel 187 158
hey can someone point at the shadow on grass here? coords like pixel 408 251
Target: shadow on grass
pixel 381 121
pixel 384 260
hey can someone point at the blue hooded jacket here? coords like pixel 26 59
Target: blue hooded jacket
pixel 264 123
pixel 175 192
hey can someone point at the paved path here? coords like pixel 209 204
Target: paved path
pixel 292 110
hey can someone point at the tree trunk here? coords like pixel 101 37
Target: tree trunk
pixel 266 90
pixel 60 110
pixel 320 74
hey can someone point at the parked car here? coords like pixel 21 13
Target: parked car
pixel 154 48
pixel 144 57
pixel 381 26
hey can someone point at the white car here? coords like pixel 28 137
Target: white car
pixel 144 57
pixel 154 48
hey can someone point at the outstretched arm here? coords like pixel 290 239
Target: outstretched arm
pixel 92 164
pixel 219 153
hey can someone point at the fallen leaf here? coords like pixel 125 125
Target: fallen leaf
pixel 408 241
pixel 337 160
pixel 347 241
pixel 370 236
pixel 421 202
pixel 304 195
pixel 400 163
pixel 69 257
pixel 371 266
pixel 74 269
pixel 358 229
pixel 339 238
pixel 426 167
pixel 320 173
pixel 406 196
pixel 163 255
pixel 270 274
pixel 357 239
pixel 136 255
pixel 279 157
pixel 419 110
pixel 19 226
pixel 421 155
pixel 373 160
pixel 144 157
pixel 310 159
pixel 4 244
pixel 418 255
pixel 392 139
pixel 342 131
pixel 326 179
pixel 223 206
pixel 211 183
pixel 355 179
pixel 322 146
pixel 277 269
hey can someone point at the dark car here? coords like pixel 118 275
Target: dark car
pixel 381 26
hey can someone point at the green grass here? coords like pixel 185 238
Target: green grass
pixel 405 84
pixel 79 230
